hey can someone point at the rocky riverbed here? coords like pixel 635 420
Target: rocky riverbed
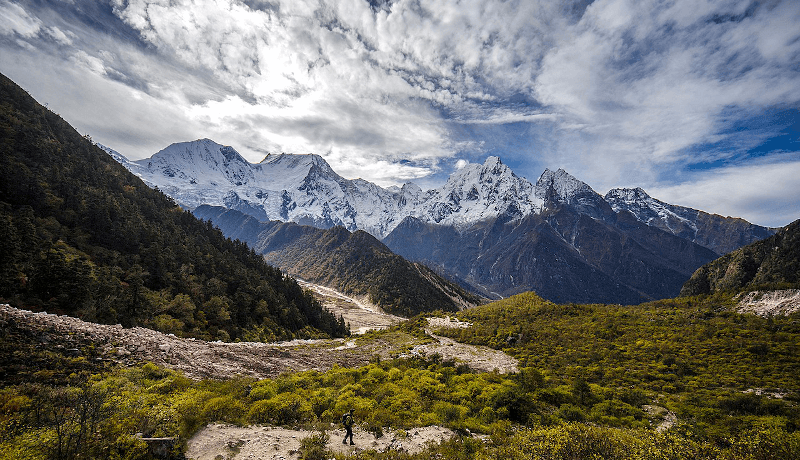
pixel 217 360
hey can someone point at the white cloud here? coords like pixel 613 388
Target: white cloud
pixel 764 194
pixel 645 84
pixel 612 90
pixel 15 20
pixel 63 38
pixel 136 122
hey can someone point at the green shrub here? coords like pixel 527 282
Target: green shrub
pixel 283 409
pixel 314 447
pixel 223 408
pixel 571 413
pixel 265 389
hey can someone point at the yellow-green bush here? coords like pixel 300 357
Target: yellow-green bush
pixel 283 409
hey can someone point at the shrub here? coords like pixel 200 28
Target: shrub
pixel 265 389
pixel 314 447
pixel 223 408
pixel 283 409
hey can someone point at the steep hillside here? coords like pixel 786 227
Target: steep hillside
pixel 355 263
pixel 773 263
pixel 81 235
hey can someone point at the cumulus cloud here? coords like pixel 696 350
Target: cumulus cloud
pixel 609 90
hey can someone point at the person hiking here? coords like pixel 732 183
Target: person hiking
pixel 347 421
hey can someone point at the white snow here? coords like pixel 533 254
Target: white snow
pixel 565 185
pixel 652 211
pixel 304 189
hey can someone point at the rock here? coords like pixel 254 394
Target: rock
pixel 159 447
pixel 73 352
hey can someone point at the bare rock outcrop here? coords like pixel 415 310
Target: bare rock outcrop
pixel 770 303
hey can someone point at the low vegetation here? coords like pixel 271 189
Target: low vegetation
pixel 721 372
pixel 589 372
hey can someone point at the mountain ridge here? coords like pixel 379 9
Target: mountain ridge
pixel 772 263
pixel 480 212
pixel 305 189
pixel 83 236
pixel 355 263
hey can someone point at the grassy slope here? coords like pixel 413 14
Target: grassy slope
pixel 693 354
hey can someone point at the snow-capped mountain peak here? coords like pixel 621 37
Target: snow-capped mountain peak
pixel 478 192
pixel 626 195
pixel 675 219
pixel 565 186
pixel 200 161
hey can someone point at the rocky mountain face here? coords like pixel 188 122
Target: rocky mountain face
pixel 356 263
pixel 491 230
pixel 772 263
pixel 720 234
pixel 562 254
pixel 304 189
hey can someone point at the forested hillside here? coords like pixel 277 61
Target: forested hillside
pixel 80 235
pixel 772 263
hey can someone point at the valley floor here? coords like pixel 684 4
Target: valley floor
pixel 361 315
pixel 199 359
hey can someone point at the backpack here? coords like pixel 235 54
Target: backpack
pixel 347 420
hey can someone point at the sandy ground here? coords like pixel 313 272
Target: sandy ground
pixel 273 443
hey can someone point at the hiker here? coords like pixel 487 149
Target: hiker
pixel 347 421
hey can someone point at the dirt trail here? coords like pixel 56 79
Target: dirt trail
pixel 217 441
pixel 479 358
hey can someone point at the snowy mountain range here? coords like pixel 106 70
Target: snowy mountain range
pixel 493 231
pixel 720 234
pixel 304 189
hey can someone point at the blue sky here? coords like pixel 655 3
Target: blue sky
pixel 697 102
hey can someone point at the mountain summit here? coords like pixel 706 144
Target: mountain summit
pixel 476 193
pixel 720 234
pixel 306 190
pixel 493 231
